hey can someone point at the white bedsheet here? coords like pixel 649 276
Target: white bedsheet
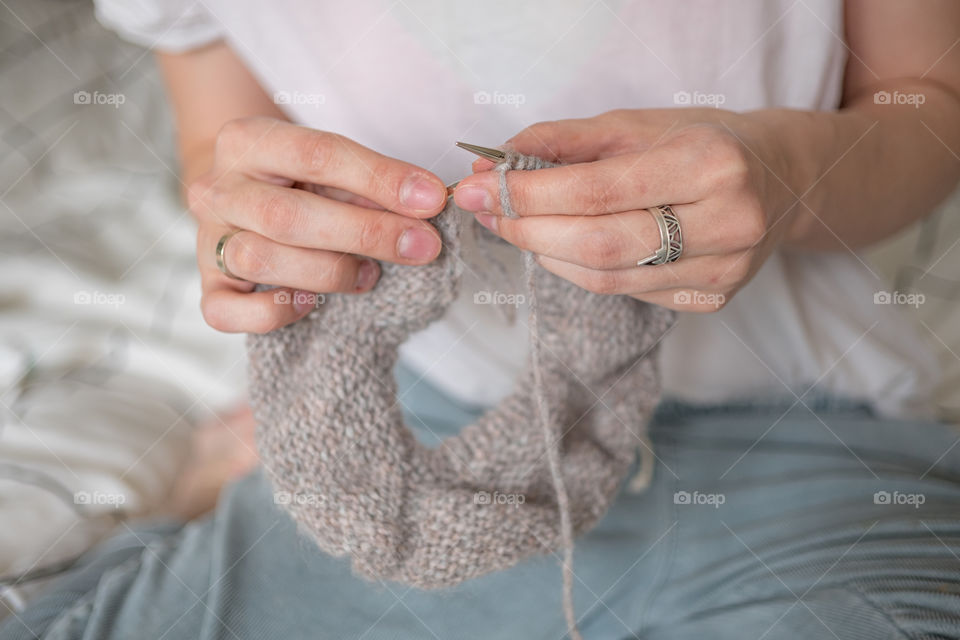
pixel 105 361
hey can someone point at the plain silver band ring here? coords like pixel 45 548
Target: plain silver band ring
pixel 671 238
pixel 221 249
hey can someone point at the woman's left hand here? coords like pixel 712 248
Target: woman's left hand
pixel 586 221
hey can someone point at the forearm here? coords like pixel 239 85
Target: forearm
pixel 207 88
pixel 853 177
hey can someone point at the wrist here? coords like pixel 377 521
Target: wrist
pixel 787 148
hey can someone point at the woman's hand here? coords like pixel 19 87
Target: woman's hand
pixel 313 208
pixel 587 221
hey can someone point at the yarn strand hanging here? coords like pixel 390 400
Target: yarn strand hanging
pixel 330 427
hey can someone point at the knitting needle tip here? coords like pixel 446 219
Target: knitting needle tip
pixel 496 155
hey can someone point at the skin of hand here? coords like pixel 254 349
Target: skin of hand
pixel 743 184
pixel 312 208
pixel 587 221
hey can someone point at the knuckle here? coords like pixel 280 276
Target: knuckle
pixel 214 314
pixel 738 272
pixel 200 193
pixel 278 216
pixel 590 196
pixel 317 153
pixel 750 226
pixel 599 248
pixel 730 274
pixel 216 202
pixel 725 160
pixel 370 236
pixel 386 177
pixel 247 258
pixel 515 231
pixel 522 195
pixel 230 137
pixel 341 275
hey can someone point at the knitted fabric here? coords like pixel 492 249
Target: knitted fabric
pixel 331 432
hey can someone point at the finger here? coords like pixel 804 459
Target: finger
pixel 482 164
pixel 661 175
pixel 587 139
pixel 569 141
pixel 296 217
pixel 270 149
pixel 615 241
pixel 254 258
pixel 231 311
pixel 707 273
pixel 339 194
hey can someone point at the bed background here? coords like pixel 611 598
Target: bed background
pixel 105 362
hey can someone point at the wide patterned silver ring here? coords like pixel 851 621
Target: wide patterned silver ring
pixel 671 238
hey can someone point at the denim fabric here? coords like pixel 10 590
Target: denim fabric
pixel 762 522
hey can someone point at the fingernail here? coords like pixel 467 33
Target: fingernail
pixel 418 244
pixel 367 275
pixel 421 194
pixel 487 220
pixel 303 300
pixel 473 198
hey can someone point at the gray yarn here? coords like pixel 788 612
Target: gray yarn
pixel 551 436
pixel 331 432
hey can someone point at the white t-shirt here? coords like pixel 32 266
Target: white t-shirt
pixel 409 78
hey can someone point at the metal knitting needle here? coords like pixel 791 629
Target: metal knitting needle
pixel 495 155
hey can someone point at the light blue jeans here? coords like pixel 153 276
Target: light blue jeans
pixel 760 523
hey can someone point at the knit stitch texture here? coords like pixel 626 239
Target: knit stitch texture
pixel 331 432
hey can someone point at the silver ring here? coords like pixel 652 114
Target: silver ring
pixel 221 248
pixel 671 238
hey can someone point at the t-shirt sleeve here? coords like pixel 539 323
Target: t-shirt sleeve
pixel 164 25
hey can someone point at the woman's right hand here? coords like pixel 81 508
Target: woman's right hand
pixel 314 210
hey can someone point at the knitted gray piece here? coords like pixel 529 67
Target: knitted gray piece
pixel 331 431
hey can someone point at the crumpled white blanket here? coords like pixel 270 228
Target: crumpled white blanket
pixel 105 361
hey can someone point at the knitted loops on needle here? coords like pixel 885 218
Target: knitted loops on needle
pixel 331 431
